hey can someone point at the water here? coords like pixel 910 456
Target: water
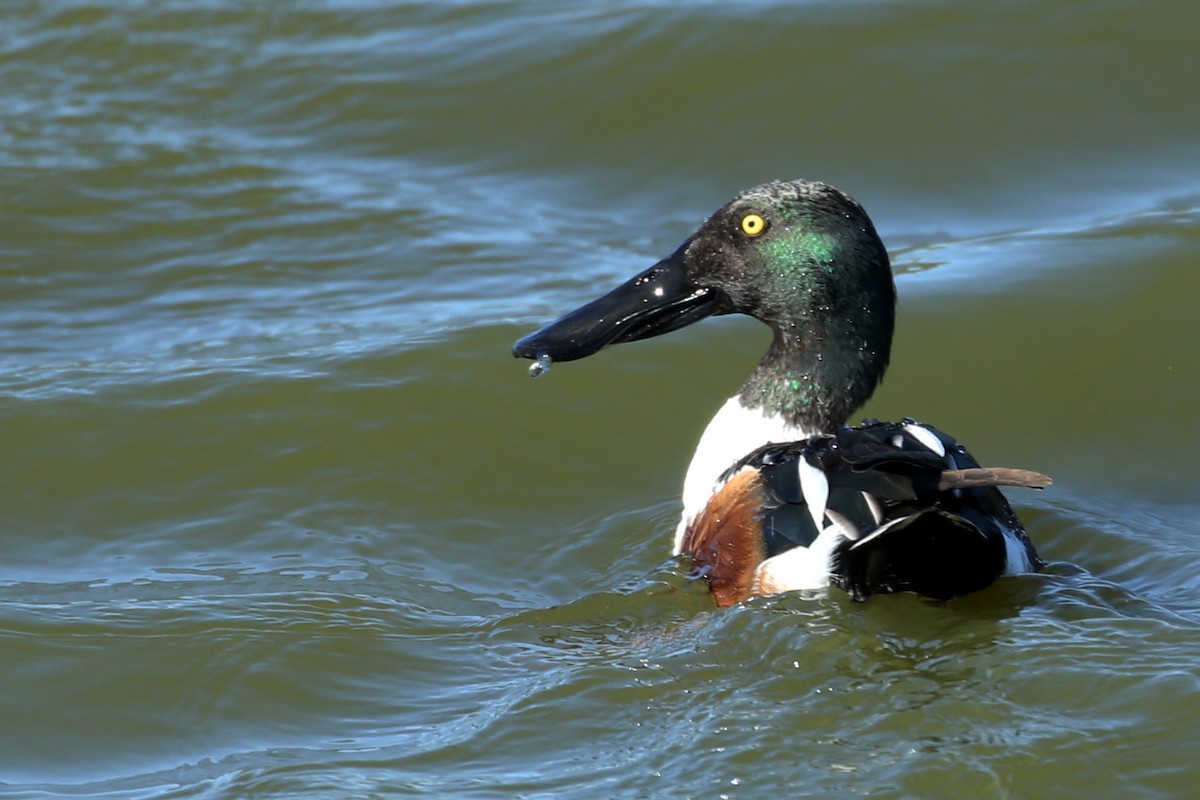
pixel 540 366
pixel 282 517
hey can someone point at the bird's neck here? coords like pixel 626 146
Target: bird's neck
pixel 814 376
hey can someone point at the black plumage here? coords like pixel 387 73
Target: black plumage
pixel 915 520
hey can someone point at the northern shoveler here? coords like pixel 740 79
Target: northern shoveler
pixel 781 494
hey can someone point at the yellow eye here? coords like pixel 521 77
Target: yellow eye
pixel 753 224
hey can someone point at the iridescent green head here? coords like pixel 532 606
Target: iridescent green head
pixel 801 256
pixel 804 258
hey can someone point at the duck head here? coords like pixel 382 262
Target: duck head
pixel 802 257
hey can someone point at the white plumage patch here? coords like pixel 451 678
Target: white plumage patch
pixel 926 437
pixel 873 504
pixel 815 487
pixel 880 531
pixel 843 524
pixel 1016 555
pixel 799 568
pixel 732 433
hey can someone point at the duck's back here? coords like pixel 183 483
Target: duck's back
pixel 883 507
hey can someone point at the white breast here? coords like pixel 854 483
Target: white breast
pixel 733 432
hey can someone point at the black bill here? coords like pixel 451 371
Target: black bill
pixel 660 300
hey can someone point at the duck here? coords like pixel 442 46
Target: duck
pixel 782 493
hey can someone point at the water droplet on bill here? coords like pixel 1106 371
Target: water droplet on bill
pixel 541 366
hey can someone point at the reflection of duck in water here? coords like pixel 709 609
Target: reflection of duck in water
pixel 781 494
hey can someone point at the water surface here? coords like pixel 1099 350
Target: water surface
pixel 283 518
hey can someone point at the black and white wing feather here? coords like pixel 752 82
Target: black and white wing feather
pixel 912 509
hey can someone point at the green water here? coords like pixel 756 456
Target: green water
pixel 281 516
